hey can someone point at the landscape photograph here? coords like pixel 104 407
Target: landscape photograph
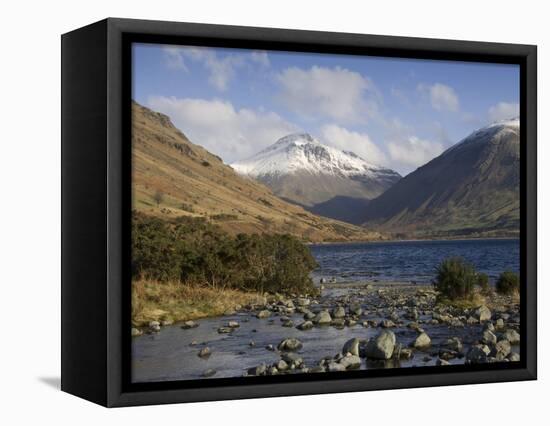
pixel 304 213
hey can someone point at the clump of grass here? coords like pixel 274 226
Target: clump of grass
pixel 483 284
pixel 176 301
pixel 508 283
pixel 455 279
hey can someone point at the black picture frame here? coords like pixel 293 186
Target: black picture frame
pixel 96 89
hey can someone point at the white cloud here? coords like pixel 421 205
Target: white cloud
pixel 442 97
pixel 231 133
pixel 174 59
pixel 336 93
pixel 359 143
pixel 221 68
pixel 412 152
pixel 261 58
pixel 503 111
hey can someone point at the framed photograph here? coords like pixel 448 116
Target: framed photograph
pixel 254 212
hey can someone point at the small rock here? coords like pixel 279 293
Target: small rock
pixel 322 318
pixel 292 358
pixel 338 322
pixel 350 361
pixel 306 325
pixel 339 312
pixel 499 325
pixel 442 362
pixel 454 344
pixel 356 309
pixel 288 323
pixel 233 324
pixel 512 336
pixel 259 370
pixel 270 347
pixel 513 356
pixel 205 352
pixel 334 366
pixel 503 348
pixel 476 355
pixel 189 324
pixel 224 330
pixel 405 353
pixel 154 326
pixel 422 341
pixel 386 324
pixel 488 337
pixel 209 373
pixel 281 365
pixel 263 314
pixel 136 332
pixel 252 343
pixel 351 346
pixel 290 345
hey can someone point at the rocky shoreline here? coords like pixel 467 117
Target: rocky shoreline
pixel 393 325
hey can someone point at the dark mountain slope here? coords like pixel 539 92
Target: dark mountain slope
pixel 470 189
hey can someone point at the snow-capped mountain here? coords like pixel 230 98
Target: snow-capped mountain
pixel 300 169
pixel 301 152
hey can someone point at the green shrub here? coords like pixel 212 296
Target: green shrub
pixel 455 279
pixel 483 284
pixel 508 283
pixel 190 249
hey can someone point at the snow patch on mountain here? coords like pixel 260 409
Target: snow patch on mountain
pixel 478 136
pixel 303 153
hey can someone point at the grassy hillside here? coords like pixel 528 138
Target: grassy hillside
pixel 173 177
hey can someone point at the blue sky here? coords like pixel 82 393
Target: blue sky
pixel 398 113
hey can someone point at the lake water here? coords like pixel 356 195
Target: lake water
pixel 411 261
pixel 171 354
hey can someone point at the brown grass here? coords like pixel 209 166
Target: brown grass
pixel 175 301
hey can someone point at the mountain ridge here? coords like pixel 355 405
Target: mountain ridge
pixel 300 169
pixel 172 176
pixel 472 188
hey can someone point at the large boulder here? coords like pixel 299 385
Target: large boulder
pixel 290 345
pixel 381 347
pixel 322 318
pixel 351 346
pixel 483 313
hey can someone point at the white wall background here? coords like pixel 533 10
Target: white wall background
pixel 30 194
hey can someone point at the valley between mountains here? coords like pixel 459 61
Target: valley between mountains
pixel 318 193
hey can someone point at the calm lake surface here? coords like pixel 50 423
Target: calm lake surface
pixel 411 261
